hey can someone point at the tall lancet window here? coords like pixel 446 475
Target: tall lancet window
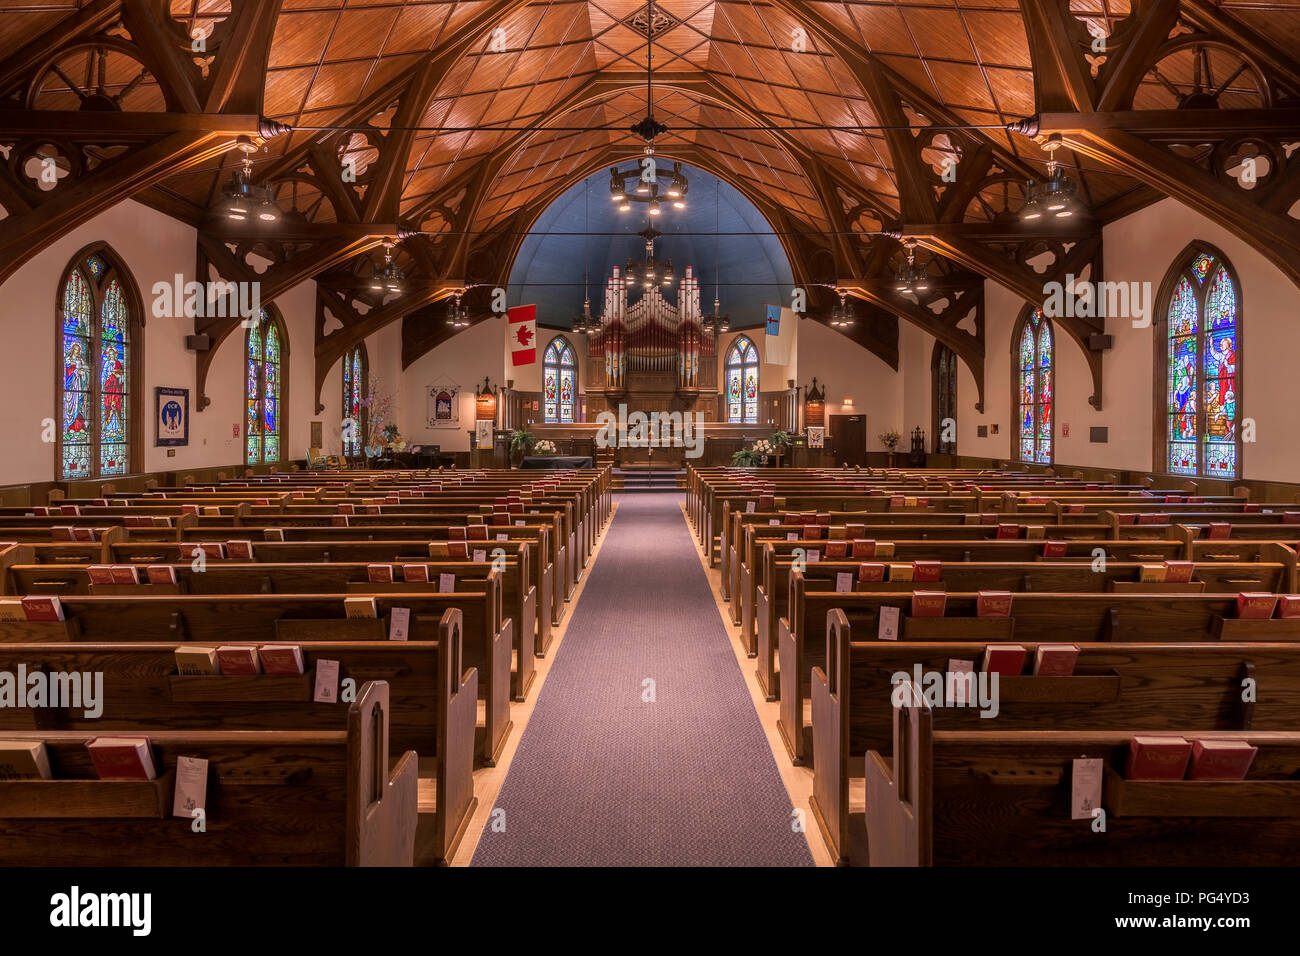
pixel 559 381
pixel 1036 364
pixel 266 347
pixel 742 382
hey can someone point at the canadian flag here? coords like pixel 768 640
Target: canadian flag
pixel 521 335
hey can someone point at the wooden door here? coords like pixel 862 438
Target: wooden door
pixel 848 439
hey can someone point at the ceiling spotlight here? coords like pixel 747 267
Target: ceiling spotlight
pixel 654 207
pixel 624 206
pixel 616 189
pixel 842 315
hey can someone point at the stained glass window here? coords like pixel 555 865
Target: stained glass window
pixel 95 340
pixel 264 385
pixel 559 382
pixel 1202 370
pixel 944 371
pixel 742 382
pixel 355 366
pixel 1036 365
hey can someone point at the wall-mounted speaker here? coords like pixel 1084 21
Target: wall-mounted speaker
pixel 198 343
pixel 1099 434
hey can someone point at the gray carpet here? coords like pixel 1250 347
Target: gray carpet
pixel 603 777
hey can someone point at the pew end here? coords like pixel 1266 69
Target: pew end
pixel 900 796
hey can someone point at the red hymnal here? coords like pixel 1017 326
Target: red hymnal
pixel 897 501
pixel 1074 509
pixel 928 603
pixel 281 658
pixel 1127 517
pixel 824 518
pixel 1220 529
pixel 238 659
pixel 122 757
pixel 1256 605
pixel 766 502
pixel 1288 605
pixel 83 534
pixel 1251 509
pixel 346 509
pixel 1221 759
pixel 1179 572
pixel 477 532
pixel 457 550
pixel 864 548
pixel 812 532
pixel 1055 660
pixel 125 574
pixel 161 574
pixel 927 570
pixel 1291 517
pixel 837 549
pixel 379 573
pixel 456 534
pixel 240 550
pixel 42 608
pixel 416 573
pixel 1054 549
pixel 852 531
pixel 871 572
pixel 1174 499
pixel 70 511
pixel 1151 519
pixel 100 573
pixel 210 549
pixel 340 521
pixel 988 517
pixel 993 604
pixel 1152 757
pixel 1008 531
pixel 1003 659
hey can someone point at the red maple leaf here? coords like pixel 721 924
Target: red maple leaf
pixel 523 334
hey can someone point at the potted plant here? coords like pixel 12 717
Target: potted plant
pixel 745 458
pixel 780 442
pixel 521 444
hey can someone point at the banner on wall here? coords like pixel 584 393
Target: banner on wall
pixel 521 335
pixel 778 342
pixel 444 405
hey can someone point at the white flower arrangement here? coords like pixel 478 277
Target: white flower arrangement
pixel 764 447
pixel 544 447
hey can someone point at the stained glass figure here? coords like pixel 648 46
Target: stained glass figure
pixel 354 376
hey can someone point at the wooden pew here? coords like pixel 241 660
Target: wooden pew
pixel 1070 618
pixel 972 798
pixel 1144 687
pixel 274 798
pixel 293 619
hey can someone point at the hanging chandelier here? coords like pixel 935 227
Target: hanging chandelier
pixel 457 314
pixel 649 273
pixel 243 199
pixel 842 315
pixel 389 278
pixel 1057 196
pixel 647 184
pixel 911 277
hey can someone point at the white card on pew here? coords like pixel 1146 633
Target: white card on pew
pixel 749 507
pixel 774 521
pixel 792 536
pixel 480 555
pixel 1085 787
pixel 191 787
pixel 446 583
pixel 399 624
pixel 888 630
pixel 519 524
pixel 503 537
pixel 327 682
pixel 958 691
pixel 844 582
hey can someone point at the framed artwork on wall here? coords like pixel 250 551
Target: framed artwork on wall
pixel 444 405
pixel 816 436
pixel 171 416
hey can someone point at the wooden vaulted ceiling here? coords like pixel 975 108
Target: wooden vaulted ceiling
pixel 454 124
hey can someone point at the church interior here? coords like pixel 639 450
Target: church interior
pixel 522 433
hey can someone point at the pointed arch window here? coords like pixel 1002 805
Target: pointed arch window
pixel 742 382
pixel 98 348
pixel 356 367
pixel 1035 364
pixel 559 381
pixel 266 349
pixel 1198 379
pixel 943 374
